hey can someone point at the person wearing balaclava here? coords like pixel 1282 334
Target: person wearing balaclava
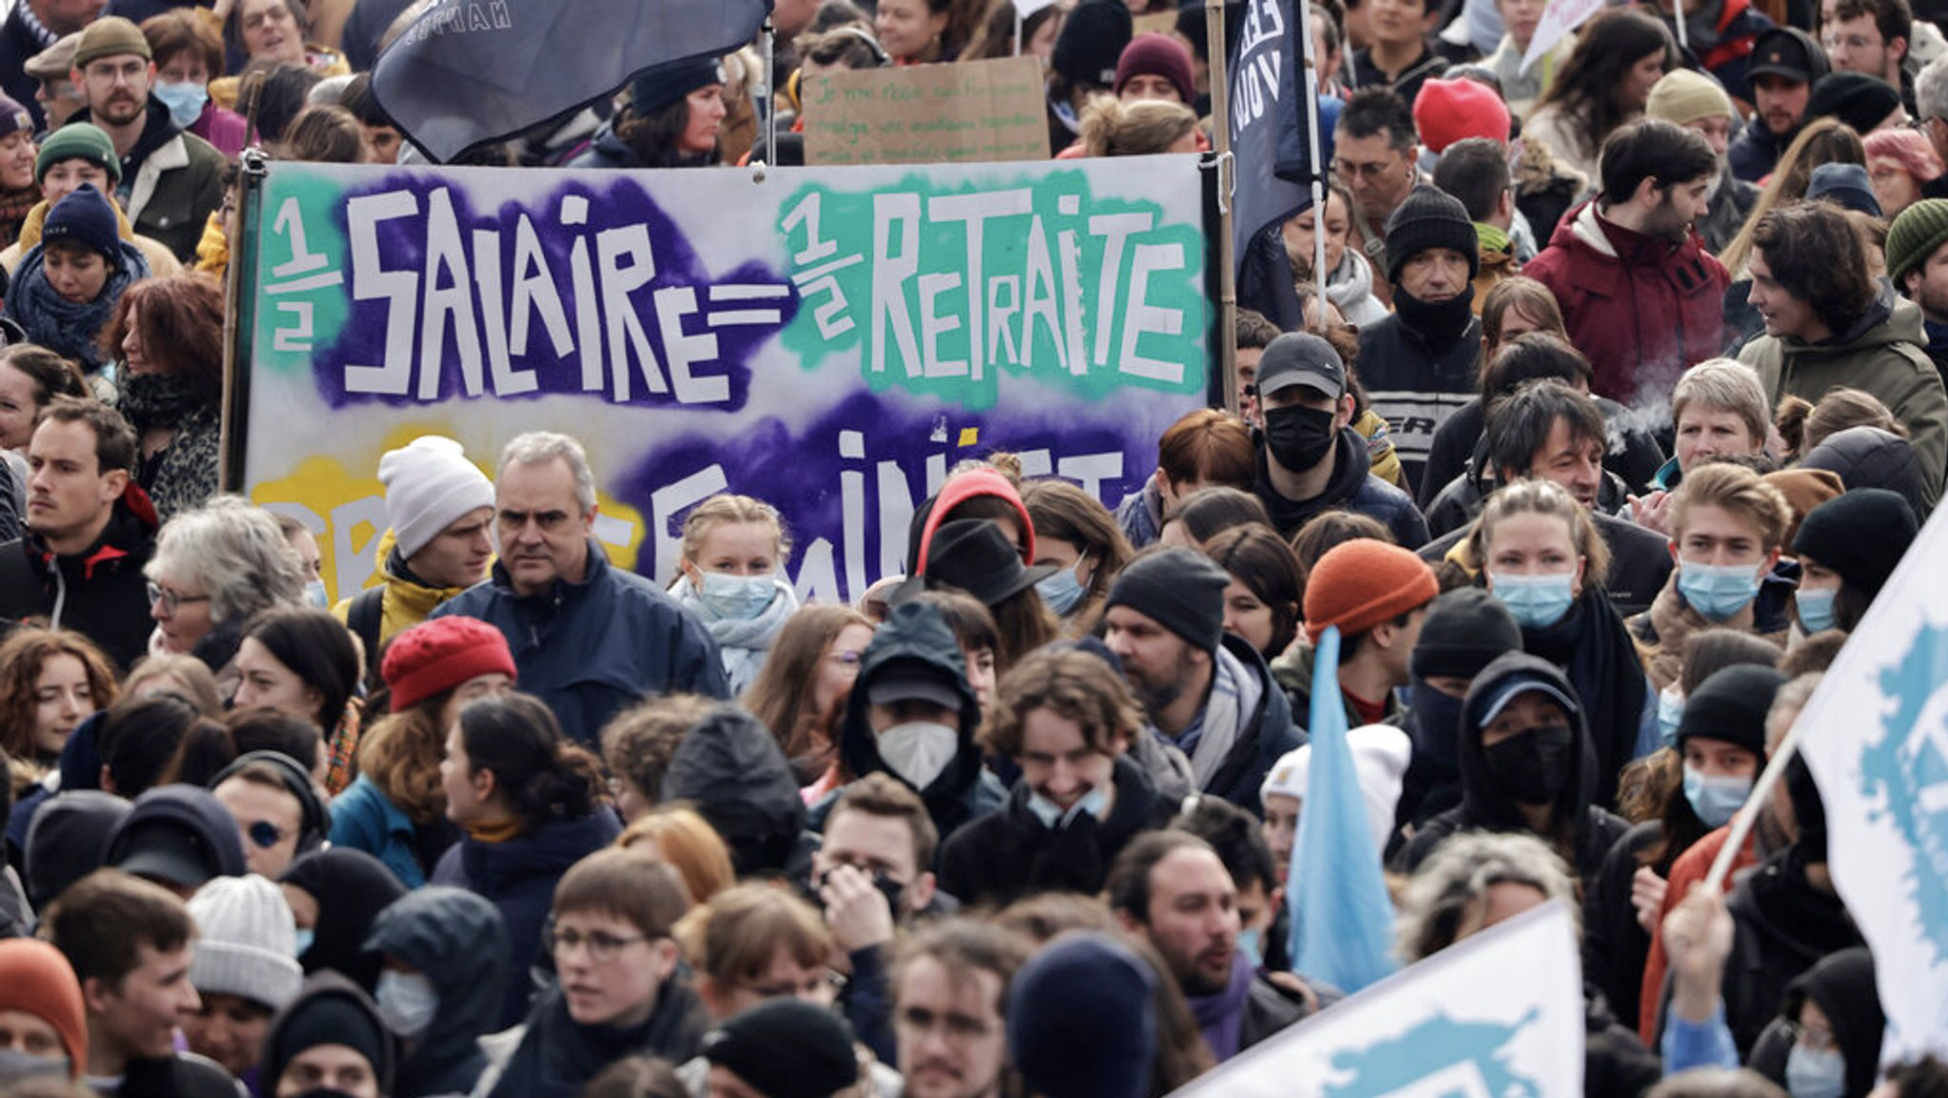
pixel 1465 630
pixel 1721 741
pixel 1418 364
pixel 1527 764
pixel 1311 460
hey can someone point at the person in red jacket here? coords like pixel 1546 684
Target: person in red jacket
pixel 1640 295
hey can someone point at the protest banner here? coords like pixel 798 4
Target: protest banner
pixel 1498 1013
pixel 1875 735
pixel 829 340
pixel 972 112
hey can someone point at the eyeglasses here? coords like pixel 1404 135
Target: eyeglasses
pixel 265 834
pixel 1850 41
pixel 847 661
pixel 170 600
pixel 602 946
pixel 825 985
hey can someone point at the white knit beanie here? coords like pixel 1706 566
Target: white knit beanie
pixel 429 484
pixel 246 943
pixel 1380 756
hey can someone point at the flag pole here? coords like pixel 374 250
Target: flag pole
pixel 1748 816
pixel 769 114
pixel 1683 36
pixel 1017 30
pixel 1218 48
pixel 1311 94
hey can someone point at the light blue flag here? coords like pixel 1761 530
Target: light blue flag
pixel 1342 919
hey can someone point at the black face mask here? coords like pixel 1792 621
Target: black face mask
pixel 1532 767
pixel 1299 437
pixel 1436 719
pixel 1440 323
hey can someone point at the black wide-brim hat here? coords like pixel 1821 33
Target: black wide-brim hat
pixel 978 557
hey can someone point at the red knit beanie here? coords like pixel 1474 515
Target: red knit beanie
pixel 438 655
pixel 1447 111
pixel 1362 583
pixel 1157 55
pixel 36 979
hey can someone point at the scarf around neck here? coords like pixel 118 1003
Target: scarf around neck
pixel 69 327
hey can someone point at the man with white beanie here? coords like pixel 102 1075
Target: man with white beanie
pixel 244 968
pixel 439 506
pixel 1380 756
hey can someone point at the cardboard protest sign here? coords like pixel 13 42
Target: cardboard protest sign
pixel 829 340
pixel 977 111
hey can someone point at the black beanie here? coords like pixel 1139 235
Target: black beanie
pixel 329 1012
pixel 659 86
pixel 1731 706
pixel 1430 218
pixel 1464 631
pixel 1859 100
pixel 786 1048
pixel 1180 588
pixel 1092 41
pixel 1861 534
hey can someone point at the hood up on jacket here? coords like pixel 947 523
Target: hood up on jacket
pixel 1483 802
pixel 351 888
pixel 456 939
pixel 916 634
pixel 730 768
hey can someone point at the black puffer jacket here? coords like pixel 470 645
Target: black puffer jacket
pixel 455 939
pixel 1485 807
pixel 1009 854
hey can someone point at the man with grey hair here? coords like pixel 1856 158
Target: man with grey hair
pixel 1931 109
pixel 589 639
pixel 88 532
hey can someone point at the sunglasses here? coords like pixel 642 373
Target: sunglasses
pixel 265 834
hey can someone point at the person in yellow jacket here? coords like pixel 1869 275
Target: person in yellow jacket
pixel 72 155
pixel 438 508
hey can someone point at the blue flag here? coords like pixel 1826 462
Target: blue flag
pixel 1342 919
pixel 468 72
pixel 1270 138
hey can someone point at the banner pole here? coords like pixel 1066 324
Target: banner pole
pixel 1683 36
pixel 1017 30
pixel 1219 50
pixel 233 430
pixel 1748 816
pixel 1311 93
pixel 769 115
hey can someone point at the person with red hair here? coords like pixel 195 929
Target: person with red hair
pixel 167 334
pixel 1900 162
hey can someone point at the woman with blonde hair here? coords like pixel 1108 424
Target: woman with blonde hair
pixel 683 840
pixel 1822 141
pixel 734 552
pixel 1143 127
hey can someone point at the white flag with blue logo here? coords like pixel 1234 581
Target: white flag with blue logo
pixel 1875 735
pixel 1497 1015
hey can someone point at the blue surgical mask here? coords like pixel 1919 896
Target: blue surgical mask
pixel 1715 800
pixel 1717 590
pixel 737 598
pixel 1535 601
pixel 185 101
pixel 1816 608
pixel 1061 591
pixel 1251 945
pixel 306 935
pixel 314 595
pixel 1670 710
pixel 408 1002
pixel 1095 803
pixel 1811 1073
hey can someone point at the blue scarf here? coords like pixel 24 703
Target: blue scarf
pixel 67 327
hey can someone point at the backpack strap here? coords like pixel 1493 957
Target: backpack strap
pixel 365 617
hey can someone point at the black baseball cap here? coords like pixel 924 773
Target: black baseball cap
pixel 1788 52
pixel 1301 358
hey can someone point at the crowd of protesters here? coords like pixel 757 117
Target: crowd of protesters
pixel 1623 402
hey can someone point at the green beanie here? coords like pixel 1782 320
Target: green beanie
pixel 79 141
pixel 1915 234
